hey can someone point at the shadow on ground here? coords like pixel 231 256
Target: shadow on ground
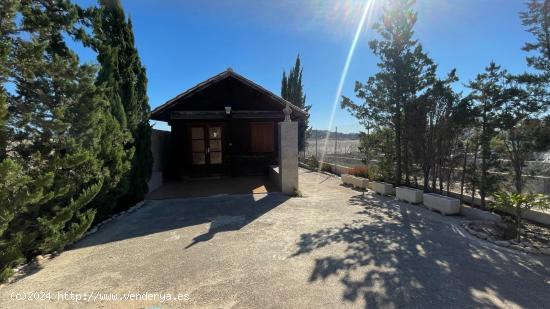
pixel 215 186
pixel 399 255
pixel 224 213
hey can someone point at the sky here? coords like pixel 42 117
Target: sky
pixel 182 43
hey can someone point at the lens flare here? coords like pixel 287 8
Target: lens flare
pixel 366 16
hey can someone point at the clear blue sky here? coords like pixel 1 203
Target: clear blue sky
pixel 183 43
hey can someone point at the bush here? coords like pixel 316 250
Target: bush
pixel 519 203
pixel 374 173
pixel 313 161
pixel 326 168
pixel 359 171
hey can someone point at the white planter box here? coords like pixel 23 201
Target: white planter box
pixel 357 182
pixel 413 196
pixel 346 179
pixel 383 188
pixel 444 204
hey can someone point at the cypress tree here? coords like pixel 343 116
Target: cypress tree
pixel 292 90
pixel 124 77
pixel 7 15
pixel 57 130
pixel 284 85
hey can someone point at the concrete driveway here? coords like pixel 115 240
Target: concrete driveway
pixel 333 248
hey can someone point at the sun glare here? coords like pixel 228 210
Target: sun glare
pixel 365 18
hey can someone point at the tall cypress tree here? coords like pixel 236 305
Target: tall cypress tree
pixel 7 15
pixel 123 75
pixel 292 90
pixel 57 127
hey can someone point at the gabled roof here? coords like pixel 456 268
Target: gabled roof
pixel 216 79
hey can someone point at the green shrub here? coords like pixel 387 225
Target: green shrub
pixel 313 161
pixel 519 203
pixel 374 173
pixel 326 168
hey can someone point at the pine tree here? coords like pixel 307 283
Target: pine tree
pixel 537 21
pixel 438 120
pixel 405 73
pixel 292 90
pixel 490 92
pixel 123 75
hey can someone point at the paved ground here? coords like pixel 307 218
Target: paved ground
pixel 332 248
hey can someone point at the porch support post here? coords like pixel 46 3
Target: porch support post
pixel 288 156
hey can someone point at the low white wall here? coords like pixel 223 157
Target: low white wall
pixel 478 214
pixel 336 169
pixel 533 215
pixel 357 182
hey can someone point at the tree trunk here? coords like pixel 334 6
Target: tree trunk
pixel 426 179
pixel 463 176
pixel 485 153
pixel 398 171
pixel 518 223
pixel 441 170
pixel 483 180
pixel 406 162
pixel 434 178
pixel 474 170
pixel 449 176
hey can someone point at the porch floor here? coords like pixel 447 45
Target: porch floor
pixel 209 187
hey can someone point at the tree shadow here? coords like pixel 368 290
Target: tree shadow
pixel 399 255
pixel 224 213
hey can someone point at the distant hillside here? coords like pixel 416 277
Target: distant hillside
pixel 341 136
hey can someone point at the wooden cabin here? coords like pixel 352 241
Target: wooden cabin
pixel 224 126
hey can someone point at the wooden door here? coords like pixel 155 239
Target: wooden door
pixel 206 150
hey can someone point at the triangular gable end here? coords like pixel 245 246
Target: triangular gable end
pixel 226 88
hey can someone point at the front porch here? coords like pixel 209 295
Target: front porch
pixel 213 186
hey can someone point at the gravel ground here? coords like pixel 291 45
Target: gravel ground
pixel 335 247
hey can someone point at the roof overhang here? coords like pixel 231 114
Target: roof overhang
pixel 160 113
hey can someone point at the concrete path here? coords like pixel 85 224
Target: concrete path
pixel 333 248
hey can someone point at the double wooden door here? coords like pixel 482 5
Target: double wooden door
pixel 207 149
